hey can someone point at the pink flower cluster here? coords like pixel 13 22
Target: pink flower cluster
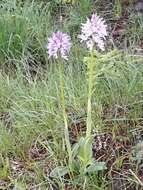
pixel 94 31
pixel 59 45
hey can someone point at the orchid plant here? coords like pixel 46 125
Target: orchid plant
pixel 58 48
pixel 93 32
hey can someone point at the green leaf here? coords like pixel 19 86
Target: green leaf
pixel 59 171
pixel 74 165
pixel 96 166
pixel 85 151
pixel 75 150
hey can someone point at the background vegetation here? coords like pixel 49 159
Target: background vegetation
pixel 31 123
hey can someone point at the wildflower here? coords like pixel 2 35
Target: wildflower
pixel 59 45
pixel 94 31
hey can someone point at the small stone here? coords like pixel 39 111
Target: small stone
pixel 139 6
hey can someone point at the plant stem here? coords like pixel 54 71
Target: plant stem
pixel 68 145
pixel 90 88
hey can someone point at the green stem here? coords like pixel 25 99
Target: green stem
pixel 90 88
pixel 68 145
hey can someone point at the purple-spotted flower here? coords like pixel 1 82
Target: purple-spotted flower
pixel 59 45
pixel 94 32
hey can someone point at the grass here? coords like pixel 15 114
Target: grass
pixel 32 140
